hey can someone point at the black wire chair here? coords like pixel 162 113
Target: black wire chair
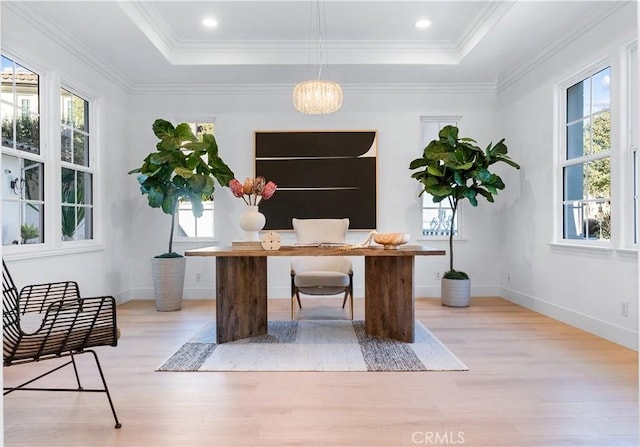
pixel 48 321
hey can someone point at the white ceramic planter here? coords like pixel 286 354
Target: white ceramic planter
pixel 168 282
pixel 456 292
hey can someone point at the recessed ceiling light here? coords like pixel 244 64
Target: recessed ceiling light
pixel 210 22
pixel 423 23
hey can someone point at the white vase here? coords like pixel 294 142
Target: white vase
pixel 252 221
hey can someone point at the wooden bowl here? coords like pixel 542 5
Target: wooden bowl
pixel 391 241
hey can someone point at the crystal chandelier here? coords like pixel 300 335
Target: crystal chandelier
pixel 318 96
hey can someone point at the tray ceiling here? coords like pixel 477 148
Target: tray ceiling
pixel 146 43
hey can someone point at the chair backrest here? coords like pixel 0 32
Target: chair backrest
pixel 9 299
pixel 311 231
pixel 10 315
pixel 319 231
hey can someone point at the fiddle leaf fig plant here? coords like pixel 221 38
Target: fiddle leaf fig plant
pixel 182 168
pixel 455 169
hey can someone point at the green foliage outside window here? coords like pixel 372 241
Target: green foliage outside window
pixel 27 130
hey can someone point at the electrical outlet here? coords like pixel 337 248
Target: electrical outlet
pixel 437 276
pixel 508 277
pixel 197 277
pixel 624 308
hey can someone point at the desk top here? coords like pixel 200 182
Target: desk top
pixel 288 250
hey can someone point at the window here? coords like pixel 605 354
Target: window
pixel 188 225
pixel 49 176
pixel 76 173
pixel 436 217
pixel 586 161
pixel 636 168
pixel 633 135
pixel 23 165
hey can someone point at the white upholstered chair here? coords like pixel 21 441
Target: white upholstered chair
pixel 321 275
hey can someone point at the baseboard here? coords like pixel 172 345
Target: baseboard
pixel 476 291
pixel 203 293
pixel 421 291
pixel 129 295
pixel 609 331
pixel 284 292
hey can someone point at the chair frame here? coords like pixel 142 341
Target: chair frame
pixel 70 326
pixel 295 295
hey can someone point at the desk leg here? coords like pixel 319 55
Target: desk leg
pixel 389 297
pixel 241 297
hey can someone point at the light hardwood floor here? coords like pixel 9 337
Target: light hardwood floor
pixel 532 381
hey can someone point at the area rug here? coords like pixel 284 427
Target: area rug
pixel 313 345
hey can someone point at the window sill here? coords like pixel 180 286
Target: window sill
pixel 592 249
pixel 40 252
pixel 431 240
pixel 627 252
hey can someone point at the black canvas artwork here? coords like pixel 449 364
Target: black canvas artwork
pixel 320 174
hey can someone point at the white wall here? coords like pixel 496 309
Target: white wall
pixel 102 271
pixel 582 287
pixel 510 237
pixel 396 116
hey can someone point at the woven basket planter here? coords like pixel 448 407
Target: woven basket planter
pixel 168 282
pixel 456 292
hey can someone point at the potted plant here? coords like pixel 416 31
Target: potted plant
pixel 455 169
pixel 182 168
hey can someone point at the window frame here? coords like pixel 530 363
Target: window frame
pixel 441 120
pixel 633 135
pixel 563 161
pixel 51 83
pixel 21 155
pixel 77 168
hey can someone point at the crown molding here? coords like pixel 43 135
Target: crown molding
pixel 64 39
pixel 343 52
pixel 150 23
pixel 252 89
pixel 290 53
pixel 178 51
pixel 519 71
pixel 473 33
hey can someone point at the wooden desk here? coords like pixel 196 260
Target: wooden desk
pixel 241 288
